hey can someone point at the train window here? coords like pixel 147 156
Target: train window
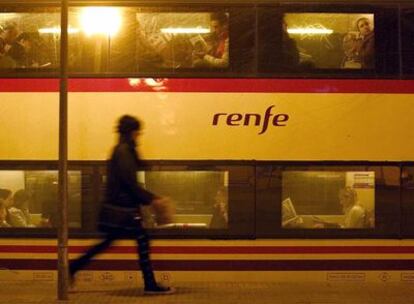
pixel 408 41
pixel 29 41
pixel 199 198
pixel 111 39
pixel 29 199
pixel 328 201
pixel 328 41
pixel 323 199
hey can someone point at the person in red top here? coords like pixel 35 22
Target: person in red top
pixel 217 55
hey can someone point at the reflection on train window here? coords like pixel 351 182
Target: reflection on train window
pixel 128 40
pixel 29 41
pixel 328 41
pixel 321 199
pixel 200 197
pixel 29 198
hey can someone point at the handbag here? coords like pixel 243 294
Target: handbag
pixel 164 211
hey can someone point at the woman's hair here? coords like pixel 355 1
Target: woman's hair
pixel 5 193
pixel 221 17
pixel 349 192
pixel 128 124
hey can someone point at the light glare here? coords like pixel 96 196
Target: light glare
pixel 101 20
pixel 309 31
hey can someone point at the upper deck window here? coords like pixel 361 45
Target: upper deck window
pixel 29 41
pixel 109 39
pixel 183 40
pixel 328 41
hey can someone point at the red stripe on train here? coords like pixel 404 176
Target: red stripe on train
pixel 212 85
pixel 224 250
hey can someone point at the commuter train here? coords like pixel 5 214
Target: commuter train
pixel 279 130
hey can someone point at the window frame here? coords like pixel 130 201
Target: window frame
pixel 42 7
pixel 387 52
pixel 389 213
pixel 387 62
pixel 241 199
pixel 45 232
pixel 235 68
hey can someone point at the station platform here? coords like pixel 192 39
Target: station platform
pixel 216 292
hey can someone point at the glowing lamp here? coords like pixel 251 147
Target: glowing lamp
pixel 101 20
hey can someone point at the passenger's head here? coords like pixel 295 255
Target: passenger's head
pixel 128 127
pixel 9 33
pixel 21 199
pixel 364 26
pixel 347 197
pixel 218 23
pixel 26 40
pixel 7 197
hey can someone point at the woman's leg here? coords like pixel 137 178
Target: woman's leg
pixel 143 248
pixel 151 286
pixel 81 262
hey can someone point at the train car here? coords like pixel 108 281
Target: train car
pixel 279 129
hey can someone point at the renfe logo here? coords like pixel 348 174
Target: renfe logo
pixel 237 119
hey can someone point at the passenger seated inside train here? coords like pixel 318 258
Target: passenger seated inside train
pixel 333 41
pixel 6 200
pixel 19 215
pixel 220 216
pixel 28 40
pixel 3 214
pixel 216 52
pixel 328 199
pixel 355 216
pixel 171 40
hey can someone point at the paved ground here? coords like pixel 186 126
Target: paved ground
pixel 216 293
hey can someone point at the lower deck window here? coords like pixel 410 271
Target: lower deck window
pixel 200 198
pixel 28 199
pixel 195 199
pixel 321 199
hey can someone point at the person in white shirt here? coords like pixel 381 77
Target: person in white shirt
pixel 354 213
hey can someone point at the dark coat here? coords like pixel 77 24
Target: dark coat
pixel 19 55
pixel 123 194
pixel 367 51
